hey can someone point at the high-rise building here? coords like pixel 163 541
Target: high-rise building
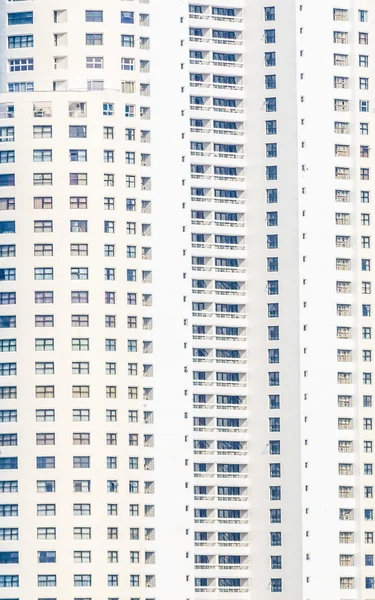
pixel 186 265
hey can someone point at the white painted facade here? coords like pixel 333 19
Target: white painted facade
pixel 185 288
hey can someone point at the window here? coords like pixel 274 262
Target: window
pixel 81 439
pixel 45 462
pixel 271 150
pixel 95 85
pixel 8 321
pixel 273 287
pixel 112 580
pixel 44 344
pixel 270 104
pixel 78 178
pixel 272 219
pixel 81 462
pixel 127 64
pixel 94 16
pixel 42 179
pixel 43 273
pixel 44 368
pixel 9 510
pixel 20 18
pixel 43 249
pixel 8 369
pixel 47 580
pixel 275 537
pixel 8 416
pixel 367 401
pixel 94 62
pixel 42 202
pixel 77 131
pixel 21 64
pixel 8 533
pixel 365 219
pixel 7 274
pixel 47 556
pixel 82 556
pixel 78 226
pixel 43 226
pixel 82 580
pixel 110 320
pixel 81 414
pixel 270 59
pixel 269 13
pixel 269 36
pixel 276 585
pixel 44 391
pixel 9 581
pixel 109 226
pixel 127 17
pixel 20 41
pixel 7 156
pixel 79 250
pixel 108 133
pixel 43 297
pixel 112 533
pixel 94 39
pixel 8 392
pixel 42 415
pixel 274 447
pixel 7 134
pixel 271 173
pixel 134 580
pixel 81 509
pixel 82 533
pixel 7 251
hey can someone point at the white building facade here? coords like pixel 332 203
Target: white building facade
pixel 186 265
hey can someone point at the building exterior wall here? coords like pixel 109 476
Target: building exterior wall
pixel 186 266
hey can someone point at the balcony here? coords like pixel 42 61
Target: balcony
pixel 237 41
pixel 230 315
pixel 220 566
pixel 228 86
pixel 213 451
pixel 229 246
pixel 209 406
pixel 205 16
pixel 231 155
pixel 209 107
pixel 209 497
pixel 225 292
pixel 216 63
pixel 219 200
pixel 212 589
pixel 77 109
pixel 42 109
pixel 221 544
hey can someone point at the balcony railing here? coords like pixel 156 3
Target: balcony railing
pixel 211 497
pixel 216 63
pixel 216 199
pixel 222 521
pixel 216 566
pixel 212 589
pixel 209 107
pixel 7 114
pixel 215 17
